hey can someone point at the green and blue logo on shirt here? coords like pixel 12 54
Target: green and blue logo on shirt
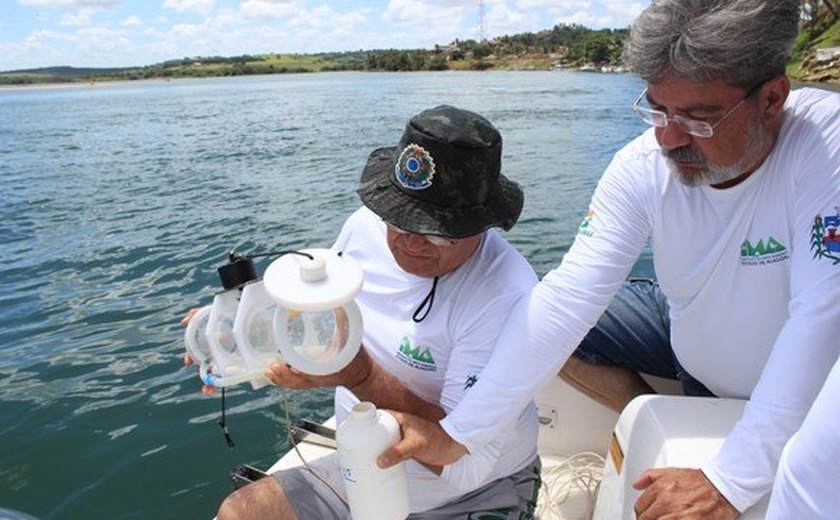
pixel 586 227
pixel 416 357
pixel 763 252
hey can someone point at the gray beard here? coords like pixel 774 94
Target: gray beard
pixel 758 140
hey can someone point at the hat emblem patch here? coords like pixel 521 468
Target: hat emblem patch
pixel 415 168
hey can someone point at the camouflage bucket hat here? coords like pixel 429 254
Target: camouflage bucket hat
pixel 444 178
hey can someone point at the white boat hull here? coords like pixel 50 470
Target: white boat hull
pixel 591 456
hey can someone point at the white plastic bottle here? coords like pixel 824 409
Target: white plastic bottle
pixel 373 493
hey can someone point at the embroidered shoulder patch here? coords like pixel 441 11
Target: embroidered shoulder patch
pixel 415 168
pixel 825 239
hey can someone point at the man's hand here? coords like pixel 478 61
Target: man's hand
pixel 680 493
pixel 354 374
pixel 422 440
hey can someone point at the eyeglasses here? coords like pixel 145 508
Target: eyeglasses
pixel 695 127
pixel 432 239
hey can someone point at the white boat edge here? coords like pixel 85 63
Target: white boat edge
pixel 659 430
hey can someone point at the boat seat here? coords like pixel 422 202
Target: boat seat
pixel 664 431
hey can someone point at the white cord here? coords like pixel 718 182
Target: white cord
pixel 300 455
pixel 561 478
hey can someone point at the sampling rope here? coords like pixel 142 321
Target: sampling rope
pixel 565 477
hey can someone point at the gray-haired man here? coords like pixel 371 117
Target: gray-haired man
pixel 737 187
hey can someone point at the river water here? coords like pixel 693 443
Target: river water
pixel 118 202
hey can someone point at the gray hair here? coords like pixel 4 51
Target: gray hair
pixel 742 42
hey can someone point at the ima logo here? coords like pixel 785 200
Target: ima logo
pixel 762 253
pixel 416 357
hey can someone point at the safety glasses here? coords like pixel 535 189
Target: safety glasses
pixel 435 240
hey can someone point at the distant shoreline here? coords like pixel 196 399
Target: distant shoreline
pixel 828 85
pixel 58 85
pixel 76 84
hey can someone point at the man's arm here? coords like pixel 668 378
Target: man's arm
pixel 549 325
pixel 366 379
pixel 369 382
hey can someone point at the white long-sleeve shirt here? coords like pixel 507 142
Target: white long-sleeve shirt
pixel 747 271
pixel 440 358
pixel 806 484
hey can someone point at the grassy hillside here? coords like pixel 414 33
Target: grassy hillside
pixel 197 67
pixel 804 64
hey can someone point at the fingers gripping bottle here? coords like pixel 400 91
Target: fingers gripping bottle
pixel 373 493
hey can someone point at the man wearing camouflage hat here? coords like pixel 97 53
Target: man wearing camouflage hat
pixel 438 285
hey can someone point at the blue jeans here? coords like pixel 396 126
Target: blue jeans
pixel 635 333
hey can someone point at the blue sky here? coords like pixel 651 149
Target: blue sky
pixel 111 33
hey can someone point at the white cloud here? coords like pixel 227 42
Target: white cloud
pixel 622 10
pixel 595 14
pixel 500 20
pixel 423 13
pixel 79 17
pixel 71 3
pixel 202 7
pixel 423 23
pixel 186 30
pixel 82 48
pixel 268 9
pixel 325 17
pixel 131 21
pixel 540 4
pixel 40 36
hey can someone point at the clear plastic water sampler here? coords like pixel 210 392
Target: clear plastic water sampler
pixel 227 367
pixel 372 493
pixel 303 313
pixel 317 325
pixel 194 338
pixel 253 331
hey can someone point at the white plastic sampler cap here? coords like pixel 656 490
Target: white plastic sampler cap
pixel 322 283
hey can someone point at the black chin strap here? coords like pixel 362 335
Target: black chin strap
pixel 427 302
